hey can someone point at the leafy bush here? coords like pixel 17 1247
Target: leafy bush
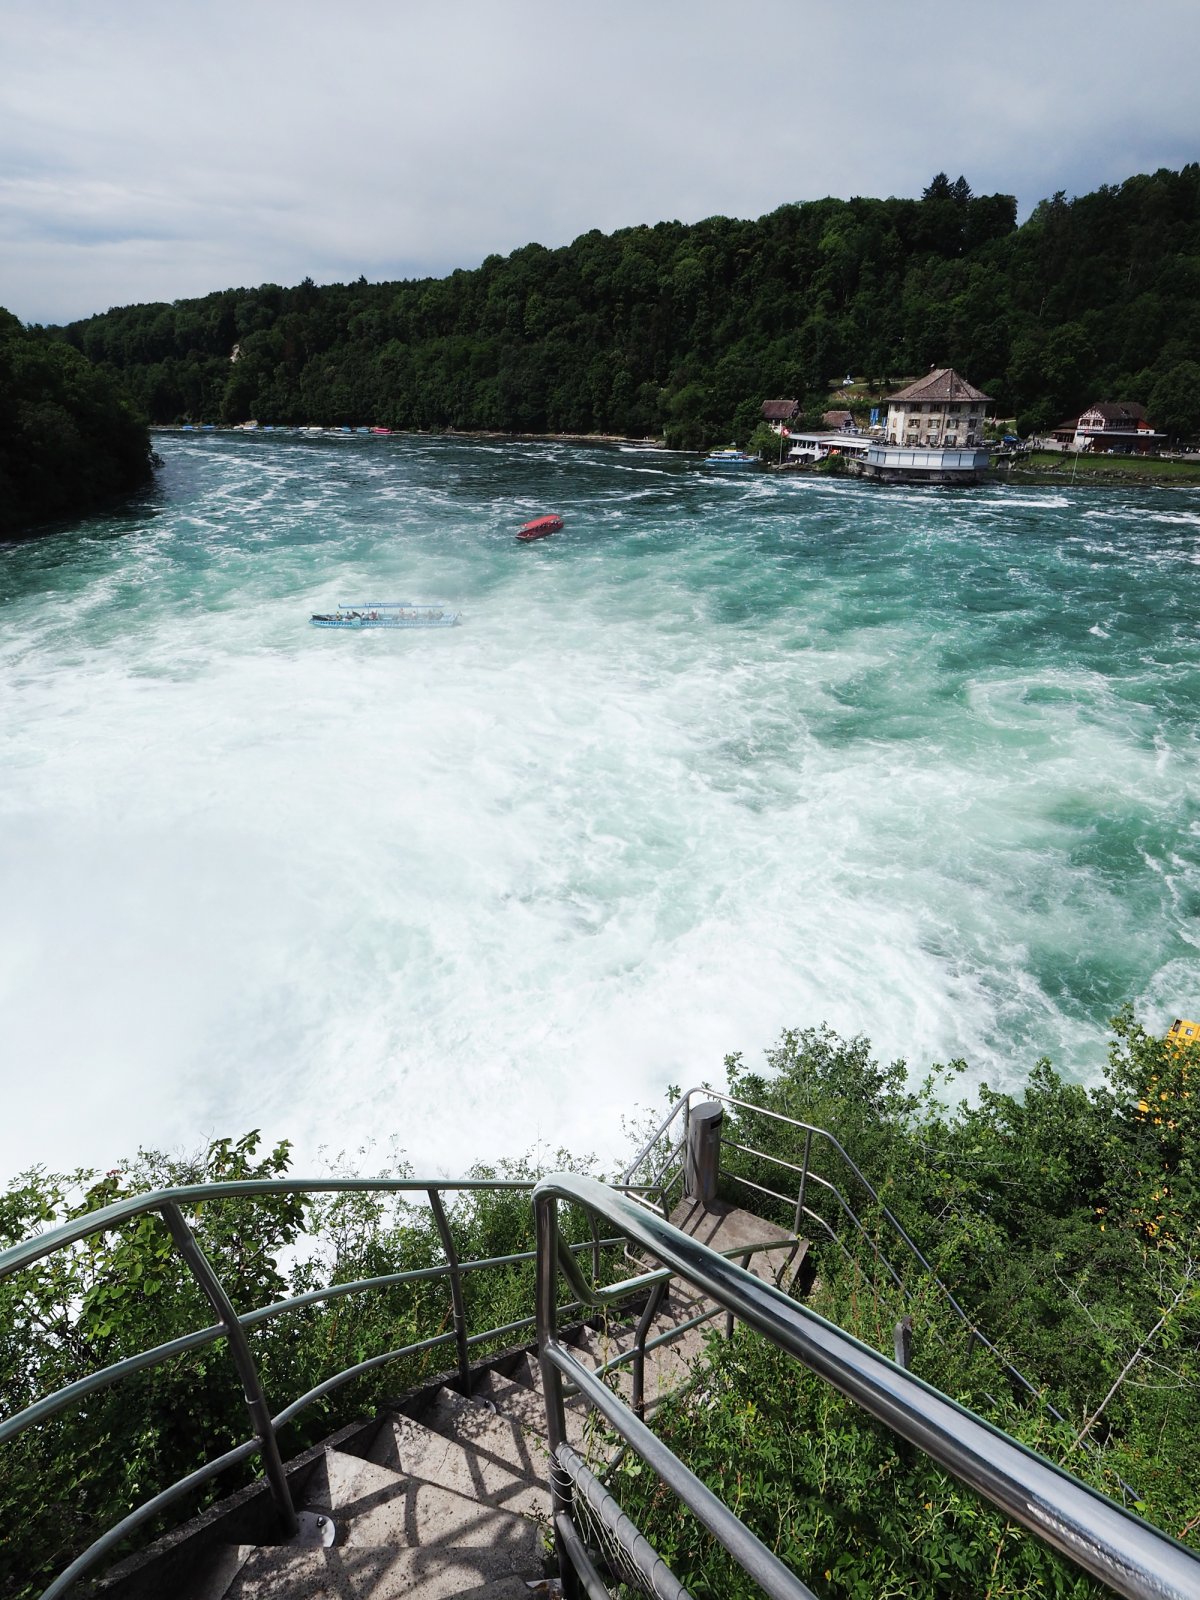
pixel 1066 1222
pixel 119 1293
pixel 849 1508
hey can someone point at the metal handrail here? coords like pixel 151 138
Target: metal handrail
pixel 232 1327
pixel 811 1130
pixel 40 1410
pixel 111 1216
pixel 807 1176
pixel 1101 1537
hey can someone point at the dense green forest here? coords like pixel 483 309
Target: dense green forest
pixel 1066 1222
pixel 682 331
pixel 70 439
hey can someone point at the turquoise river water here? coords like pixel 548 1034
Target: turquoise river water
pixel 726 755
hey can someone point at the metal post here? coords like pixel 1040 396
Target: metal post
pixel 803 1181
pixel 456 1294
pixel 256 1401
pixel 745 1263
pixel 561 1497
pixel 657 1295
pixel 595 1248
pixel 903 1342
pixel 703 1165
pixel 687 1144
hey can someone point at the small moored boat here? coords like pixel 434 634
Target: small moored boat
pixel 388 614
pixel 730 458
pixel 540 527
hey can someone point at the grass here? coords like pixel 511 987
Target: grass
pixel 1124 469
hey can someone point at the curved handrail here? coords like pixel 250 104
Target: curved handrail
pixel 111 1216
pixel 811 1129
pixel 1109 1542
pixel 105 1377
pixel 232 1327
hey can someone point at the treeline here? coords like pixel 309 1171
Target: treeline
pixel 682 331
pixel 70 439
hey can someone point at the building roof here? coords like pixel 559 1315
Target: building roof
pixel 836 419
pixel 943 383
pixel 1113 413
pixel 1118 410
pixel 779 410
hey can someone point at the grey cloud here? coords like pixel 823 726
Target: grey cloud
pixel 274 140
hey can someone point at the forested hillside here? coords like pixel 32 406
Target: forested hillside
pixel 69 438
pixel 683 330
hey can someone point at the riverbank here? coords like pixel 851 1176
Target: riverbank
pixel 1038 467
pixel 1052 466
pixel 316 432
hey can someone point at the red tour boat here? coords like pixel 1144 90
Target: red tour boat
pixel 539 528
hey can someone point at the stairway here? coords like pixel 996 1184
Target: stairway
pixel 447 1497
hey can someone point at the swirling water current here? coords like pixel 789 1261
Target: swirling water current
pixel 726 755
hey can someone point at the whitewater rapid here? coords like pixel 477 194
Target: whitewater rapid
pixel 724 756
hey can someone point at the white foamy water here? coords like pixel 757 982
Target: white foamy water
pixel 724 756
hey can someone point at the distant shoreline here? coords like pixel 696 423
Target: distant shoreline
pixel 1055 468
pixel 1043 469
pixel 424 433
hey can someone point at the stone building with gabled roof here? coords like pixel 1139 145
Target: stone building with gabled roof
pixel 934 432
pixel 779 410
pixel 939 409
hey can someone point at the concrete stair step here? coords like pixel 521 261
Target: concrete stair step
pixel 476 1426
pixel 479 1423
pixel 499 1571
pixel 215 1571
pixel 510 1589
pixel 668 1368
pixel 515 1403
pixel 373 1505
pixel 722 1226
pixel 681 1305
pixel 595 1349
pixel 484 1470
pixel 528 1371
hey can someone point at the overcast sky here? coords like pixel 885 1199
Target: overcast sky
pixel 151 151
